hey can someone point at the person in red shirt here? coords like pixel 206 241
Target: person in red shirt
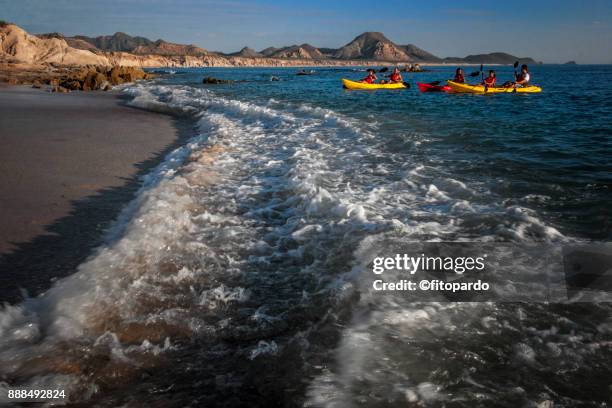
pixel 490 80
pixel 459 76
pixel 370 78
pixel 396 76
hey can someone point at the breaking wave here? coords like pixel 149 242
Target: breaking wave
pixel 240 255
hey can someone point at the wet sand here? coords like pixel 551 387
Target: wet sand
pixel 68 164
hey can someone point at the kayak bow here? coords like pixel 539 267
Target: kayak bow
pixel 348 84
pixel 423 87
pixel 480 89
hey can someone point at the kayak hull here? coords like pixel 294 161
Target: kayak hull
pixel 348 84
pixel 433 88
pixel 480 89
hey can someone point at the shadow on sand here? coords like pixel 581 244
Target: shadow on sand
pixel 32 267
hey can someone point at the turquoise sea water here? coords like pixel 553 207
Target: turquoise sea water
pixel 240 275
pixel 551 151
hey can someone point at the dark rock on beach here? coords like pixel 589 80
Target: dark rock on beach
pixel 211 80
pixel 94 78
pixel 60 89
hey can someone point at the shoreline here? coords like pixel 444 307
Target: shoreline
pixel 69 165
pixel 39 75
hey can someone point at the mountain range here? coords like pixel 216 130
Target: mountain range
pixel 122 42
pixel 372 46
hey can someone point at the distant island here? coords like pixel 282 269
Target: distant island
pixel 571 63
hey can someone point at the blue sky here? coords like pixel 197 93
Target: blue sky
pixel 547 30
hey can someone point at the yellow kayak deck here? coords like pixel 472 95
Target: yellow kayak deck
pixel 348 84
pixel 480 89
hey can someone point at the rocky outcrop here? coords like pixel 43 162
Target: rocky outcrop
pixel 100 78
pixel 87 78
pixel 18 46
pixel 72 42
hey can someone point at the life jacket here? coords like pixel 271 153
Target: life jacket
pixel 395 77
pixel 490 81
pixel 369 79
pixel 459 78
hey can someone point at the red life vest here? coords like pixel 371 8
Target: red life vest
pixel 459 78
pixel 369 79
pixel 490 81
pixel 395 77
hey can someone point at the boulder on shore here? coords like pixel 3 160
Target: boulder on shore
pixel 59 89
pixel 92 78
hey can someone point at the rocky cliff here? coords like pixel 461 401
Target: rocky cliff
pixel 18 46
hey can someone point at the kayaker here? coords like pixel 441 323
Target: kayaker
pixel 523 78
pixel 396 76
pixel 491 79
pixel 459 76
pixel 370 78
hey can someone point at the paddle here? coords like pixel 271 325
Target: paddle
pixel 516 64
pixel 385 69
pixel 486 86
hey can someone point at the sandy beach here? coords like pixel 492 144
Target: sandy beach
pixel 68 164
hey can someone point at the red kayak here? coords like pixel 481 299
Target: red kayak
pixel 433 88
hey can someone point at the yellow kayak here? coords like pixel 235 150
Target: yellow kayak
pixel 348 84
pixel 480 89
